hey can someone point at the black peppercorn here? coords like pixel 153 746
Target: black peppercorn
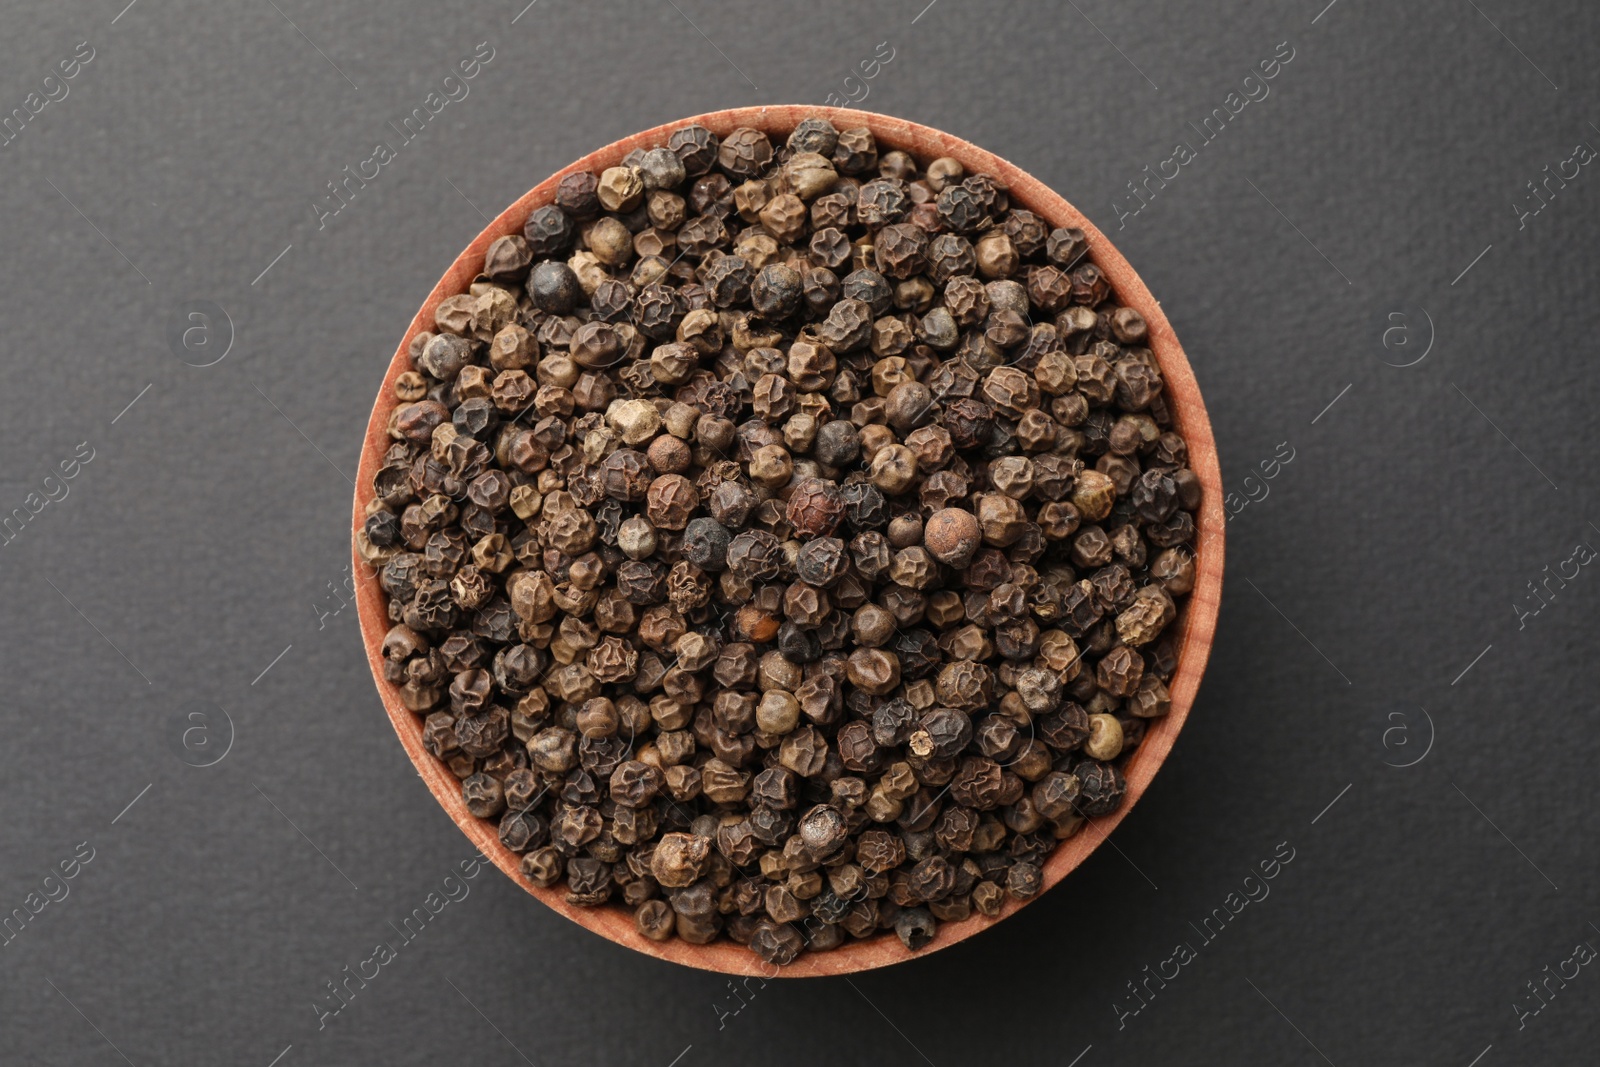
pixel 548 231
pixel 814 135
pixel 855 151
pixel 554 288
pixel 822 561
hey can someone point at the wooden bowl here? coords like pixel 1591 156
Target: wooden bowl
pixel 1196 625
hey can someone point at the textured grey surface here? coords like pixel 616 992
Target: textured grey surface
pixel 208 532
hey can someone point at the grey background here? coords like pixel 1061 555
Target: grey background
pixel 1376 579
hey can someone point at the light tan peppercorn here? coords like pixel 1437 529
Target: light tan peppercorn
pixel 610 242
pixel 636 420
pixel 680 419
pixel 570 531
pixel 723 783
pixel 945 608
pixel 778 712
pixel 874 437
pixel 970 643
pixel 784 217
pixel 1144 619
pixel 905 530
pixel 1056 372
pixel 751 197
pixel 964 685
pixel 620 188
pixel 589 270
pixel 1105 738
pixel 1120 671
pixel 943 172
pixel 1013 476
pixel 513 348
pixel 636 538
pixel 680 859
pixel 1011 390
pixel 1174 569
pixel 914 568
pixel 996 255
pixel 773 398
pixel 932 446
pixel 810 175
pixel 805 605
pixel 800 432
pixel 410 386
pixel 701 329
pixel 908 406
pixel 597 718
pixel 894 469
pixel 1128 326
pixel 872 625
pixel 771 466
pixel 1001 518
pixel 672 364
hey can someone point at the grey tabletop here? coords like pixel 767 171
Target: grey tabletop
pixel 1376 259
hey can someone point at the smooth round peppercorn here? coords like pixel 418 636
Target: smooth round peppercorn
pixel 872 625
pixel 905 530
pixel 953 536
pixel 554 288
pixel 1105 738
pixel 669 455
pixel 838 444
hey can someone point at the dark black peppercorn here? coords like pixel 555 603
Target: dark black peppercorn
pixel 548 231
pixel 777 943
pixel 382 529
pixel 822 561
pixel 483 796
pixel 820 288
pixel 1101 787
pixel 864 506
pixel 705 544
pixel 554 288
pixel 799 645
pixel 696 146
pixel 814 135
pixel 915 927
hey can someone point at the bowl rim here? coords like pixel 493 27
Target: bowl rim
pixel 1197 621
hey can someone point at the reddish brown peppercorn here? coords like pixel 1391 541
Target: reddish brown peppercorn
pixel 815 508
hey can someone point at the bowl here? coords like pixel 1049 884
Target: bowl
pixel 1196 624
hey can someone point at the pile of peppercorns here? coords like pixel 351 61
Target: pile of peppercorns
pixel 783 541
